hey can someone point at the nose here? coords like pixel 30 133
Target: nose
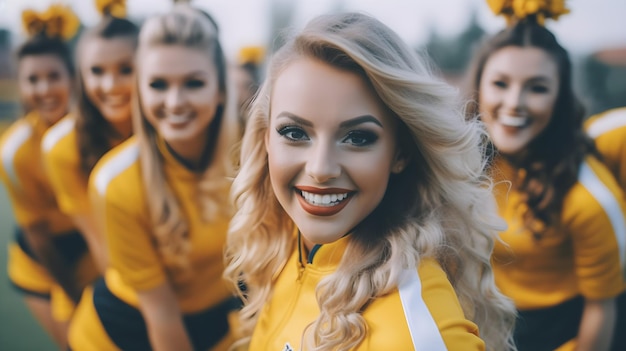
pixel 174 99
pixel 323 163
pixel 514 98
pixel 109 82
pixel 43 87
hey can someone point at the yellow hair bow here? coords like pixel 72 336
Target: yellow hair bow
pixel 520 9
pixel 115 8
pixel 57 21
pixel 251 54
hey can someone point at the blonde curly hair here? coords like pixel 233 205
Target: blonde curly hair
pixel 440 206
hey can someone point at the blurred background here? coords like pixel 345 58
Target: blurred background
pixel 594 33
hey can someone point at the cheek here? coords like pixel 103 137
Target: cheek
pixel 27 91
pixel 91 86
pixel 126 83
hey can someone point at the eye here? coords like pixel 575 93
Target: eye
pixel 32 79
pixel 194 83
pixel 292 133
pixel 500 84
pixel 360 138
pixel 54 76
pixel 539 89
pixel 97 70
pixel 158 84
pixel 126 70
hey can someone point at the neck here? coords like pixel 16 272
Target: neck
pixel 123 130
pixel 193 154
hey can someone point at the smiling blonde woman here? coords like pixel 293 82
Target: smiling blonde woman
pixel 364 219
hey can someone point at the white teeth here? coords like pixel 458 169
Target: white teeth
pixel 325 200
pixel 513 121
pixel 178 119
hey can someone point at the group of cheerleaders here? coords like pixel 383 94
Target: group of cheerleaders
pixel 355 202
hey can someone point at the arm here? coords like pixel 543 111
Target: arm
pixel 86 224
pixel 166 330
pixel 596 326
pixel 40 240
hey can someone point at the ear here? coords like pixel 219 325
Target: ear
pixel 399 163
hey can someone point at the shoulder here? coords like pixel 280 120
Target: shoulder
pixel 117 168
pixel 14 140
pixel 61 137
pixel 596 192
pixel 432 309
pixel 605 122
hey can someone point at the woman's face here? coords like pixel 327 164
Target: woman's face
pixel 106 67
pixel 179 92
pixel 331 148
pixel 45 85
pixel 517 93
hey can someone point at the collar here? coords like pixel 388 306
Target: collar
pixel 324 256
pixel 174 162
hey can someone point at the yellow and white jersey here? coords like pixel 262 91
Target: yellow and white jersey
pixel 116 188
pixel 580 255
pixel 62 164
pixel 422 313
pixel 608 129
pixel 22 171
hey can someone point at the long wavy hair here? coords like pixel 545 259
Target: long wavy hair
pixel 548 175
pixel 93 132
pixel 188 27
pixel 440 206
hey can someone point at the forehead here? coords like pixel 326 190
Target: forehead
pixel 99 50
pixel 41 64
pixel 521 62
pixel 174 61
pixel 313 89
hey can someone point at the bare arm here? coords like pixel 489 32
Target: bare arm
pixel 596 326
pixel 86 224
pixel 166 330
pixel 39 239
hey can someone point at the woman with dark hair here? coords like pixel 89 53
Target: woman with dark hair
pixel 558 259
pixel 102 120
pixel 48 260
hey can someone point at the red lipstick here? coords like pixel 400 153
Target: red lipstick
pixel 323 210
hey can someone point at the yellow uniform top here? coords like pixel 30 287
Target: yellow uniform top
pixel 422 313
pixel 62 163
pixel 578 257
pixel 22 171
pixel 608 129
pixel 116 186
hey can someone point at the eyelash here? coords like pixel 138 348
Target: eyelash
pixel 537 89
pixel 192 84
pixel 368 138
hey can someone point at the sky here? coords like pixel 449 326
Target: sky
pixel 592 24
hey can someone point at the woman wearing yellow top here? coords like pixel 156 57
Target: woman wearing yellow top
pixel 73 146
pixel 364 219
pixel 43 259
pixel 608 130
pixel 558 259
pixel 162 198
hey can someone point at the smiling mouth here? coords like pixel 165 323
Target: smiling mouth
pixel 323 202
pixel 514 121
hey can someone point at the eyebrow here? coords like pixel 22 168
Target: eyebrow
pixel 345 124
